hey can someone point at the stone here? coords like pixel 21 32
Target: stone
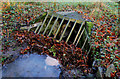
pixel 51 61
pixel 109 70
pixel 99 73
pixel 0 71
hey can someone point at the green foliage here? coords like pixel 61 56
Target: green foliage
pixel 52 49
pixel 90 25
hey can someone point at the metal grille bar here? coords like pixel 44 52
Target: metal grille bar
pixel 59 28
pixel 78 32
pixel 89 50
pixel 53 26
pixel 48 24
pixel 41 25
pixel 64 30
pixel 29 28
pixel 71 31
pixel 80 36
pixel 84 43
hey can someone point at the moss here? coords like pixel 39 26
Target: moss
pixel 40 18
pixel 89 26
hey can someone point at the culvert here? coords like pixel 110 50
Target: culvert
pixel 80 33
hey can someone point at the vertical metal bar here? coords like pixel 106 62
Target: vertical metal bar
pixel 64 30
pixel 53 25
pixel 89 43
pixel 80 36
pixel 89 50
pixel 84 43
pixel 78 32
pixel 48 24
pixel 59 27
pixel 86 33
pixel 42 24
pixel 71 31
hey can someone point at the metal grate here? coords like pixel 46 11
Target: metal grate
pixel 78 36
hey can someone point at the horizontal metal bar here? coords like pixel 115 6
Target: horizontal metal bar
pixel 64 30
pixel 29 28
pixel 59 28
pixel 80 36
pixel 71 31
pixel 53 25
pixel 78 32
pixel 48 24
pixel 34 25
pixel 43 23
pixel 66 18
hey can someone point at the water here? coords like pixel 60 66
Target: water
pixel 32 65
